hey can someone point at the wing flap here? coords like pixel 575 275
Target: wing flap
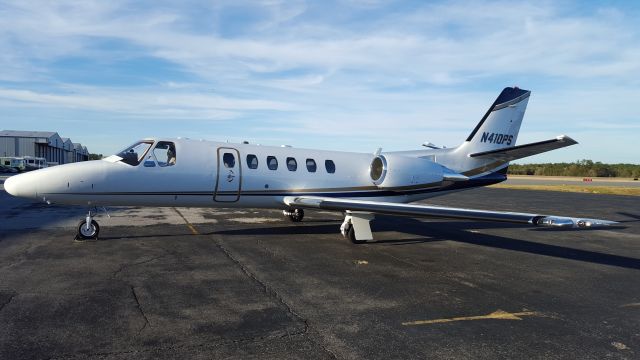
pixel 441 212
pixel 522 151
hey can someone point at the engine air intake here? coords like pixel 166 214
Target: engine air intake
pixel 378 170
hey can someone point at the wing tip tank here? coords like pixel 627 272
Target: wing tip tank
pixel 567 222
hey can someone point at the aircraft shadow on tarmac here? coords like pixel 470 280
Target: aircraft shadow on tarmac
pixel 431 231
pixel 437 230
pixel 635 217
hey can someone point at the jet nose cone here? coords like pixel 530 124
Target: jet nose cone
pixel 17 186
pixel 10 186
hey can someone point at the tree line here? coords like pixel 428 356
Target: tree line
pixel 585 168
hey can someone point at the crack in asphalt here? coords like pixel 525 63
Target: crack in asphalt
pixel 8 301
pixel 124 266
pixel 146 320
pixel 300 334
pixel 275 294
pixel 266 288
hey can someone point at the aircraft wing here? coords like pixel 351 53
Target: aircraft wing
pixel 521 151
pixel 327 203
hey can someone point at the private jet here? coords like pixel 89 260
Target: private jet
pixel 178 172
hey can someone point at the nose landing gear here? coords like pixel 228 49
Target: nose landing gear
pixel 88 228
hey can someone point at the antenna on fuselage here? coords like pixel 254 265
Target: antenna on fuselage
pixel 430 145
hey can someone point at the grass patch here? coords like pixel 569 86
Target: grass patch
pixel 609 190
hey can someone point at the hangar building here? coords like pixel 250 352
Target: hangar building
pixel 44 144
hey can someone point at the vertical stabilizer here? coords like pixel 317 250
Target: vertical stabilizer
pixel 498 129
pixel 500 125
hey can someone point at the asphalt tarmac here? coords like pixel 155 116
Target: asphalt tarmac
pixel 239 284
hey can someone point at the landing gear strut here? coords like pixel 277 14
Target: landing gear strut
pixel 294 215
pixel 88 228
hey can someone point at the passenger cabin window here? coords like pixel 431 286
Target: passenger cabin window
pixel 134 154
pixel 229 160
pixel 165 153
pixel 272 163
pixel 292 164
pixel 330 166
pixel 252 161
pixel 311 165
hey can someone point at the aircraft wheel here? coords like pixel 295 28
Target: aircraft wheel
pixel 90 233
pixel 296 215
pixel 351 235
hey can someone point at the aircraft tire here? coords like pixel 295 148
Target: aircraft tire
pixel 351 234
pixel 296 215
pixel 91 233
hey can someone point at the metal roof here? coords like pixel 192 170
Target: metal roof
pixel 29 134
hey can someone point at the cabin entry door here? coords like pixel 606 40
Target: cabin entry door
pixel 229 179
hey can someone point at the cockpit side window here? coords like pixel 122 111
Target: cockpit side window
pixel 165 153
pixel 134 154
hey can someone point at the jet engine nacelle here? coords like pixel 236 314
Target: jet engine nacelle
pixel 389 171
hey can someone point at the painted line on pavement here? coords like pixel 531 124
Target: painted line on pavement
pixel 499 315
pixel 193 229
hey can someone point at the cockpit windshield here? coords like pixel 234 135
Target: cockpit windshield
pixel 134 154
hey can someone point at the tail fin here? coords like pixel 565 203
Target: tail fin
pixel 491 145
pixel 500 125
pixel 497 130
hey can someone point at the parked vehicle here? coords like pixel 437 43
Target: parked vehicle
pixel 19 164
pixel 34 163
pixel 6 169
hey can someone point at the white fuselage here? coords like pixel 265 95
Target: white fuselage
pixel 200 178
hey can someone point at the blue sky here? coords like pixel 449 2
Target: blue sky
pixel 348 75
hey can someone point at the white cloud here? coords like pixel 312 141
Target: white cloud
pixel 486 38
pixel 387 77
pixel 145 102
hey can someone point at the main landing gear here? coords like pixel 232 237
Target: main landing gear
pixel 356 227
pixel 88 228
pixel 295 215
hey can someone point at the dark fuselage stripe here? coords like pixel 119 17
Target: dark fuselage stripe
pixel 483 181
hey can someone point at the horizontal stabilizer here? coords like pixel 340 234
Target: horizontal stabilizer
pixel 378 207
pixel 522 151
